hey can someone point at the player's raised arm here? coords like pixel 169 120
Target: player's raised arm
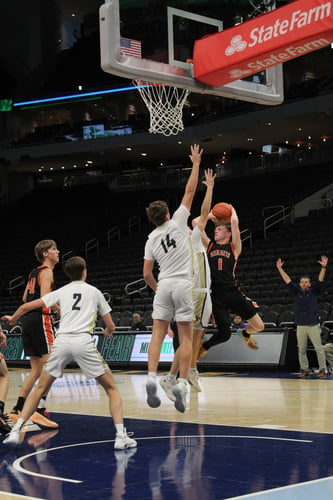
pixel 192 182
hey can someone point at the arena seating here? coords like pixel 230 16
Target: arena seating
pixel 74 216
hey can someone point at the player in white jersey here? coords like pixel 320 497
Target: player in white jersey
pixel 202 299
pixel 169 245
pixel 79 304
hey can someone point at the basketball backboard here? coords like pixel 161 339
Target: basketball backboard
pixel 164 37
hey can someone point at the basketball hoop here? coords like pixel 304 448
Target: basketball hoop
pixel 165 106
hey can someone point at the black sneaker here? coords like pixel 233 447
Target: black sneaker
pixel 7 420
pixel 4 427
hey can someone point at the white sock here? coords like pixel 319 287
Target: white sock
pixel 19 423
pixel 119 428
pixel 152 374
pixel 193 370
pixel 42 404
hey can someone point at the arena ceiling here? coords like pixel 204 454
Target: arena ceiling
pixel 301 123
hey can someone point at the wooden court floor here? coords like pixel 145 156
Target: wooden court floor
pixel 265 405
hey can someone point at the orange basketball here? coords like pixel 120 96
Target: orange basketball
pixel 222 211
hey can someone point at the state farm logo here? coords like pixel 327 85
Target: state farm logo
pixel 237 44
pixel 297 20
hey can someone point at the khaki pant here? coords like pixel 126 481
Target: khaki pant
pixel 312 332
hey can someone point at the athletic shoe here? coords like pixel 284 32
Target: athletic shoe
pixel 123 441
pixel 13 437
pixel 194 380
pixel 304 374
pixel 167 385
pixel 14 415
pixel 39 419
pixel 249 341
pixel 4 427
pixel 152 398
pixel 180 391
pixel 44 412
pixel 7 420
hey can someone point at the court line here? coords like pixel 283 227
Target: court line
pixel 17 463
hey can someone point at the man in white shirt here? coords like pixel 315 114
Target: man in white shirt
pixel 79 305
pixel 169 245
pixel 202 299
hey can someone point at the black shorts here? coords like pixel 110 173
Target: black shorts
pixel 37 334
pixel 231 300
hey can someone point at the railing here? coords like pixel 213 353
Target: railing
pixel 246 235
pixel 136 286
pixel 133 222
pixel 113 233
pixel 281 215
pixel 66 256
pixel 16 283
pixel 91 245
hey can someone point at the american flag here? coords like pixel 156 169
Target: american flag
pixel 130 47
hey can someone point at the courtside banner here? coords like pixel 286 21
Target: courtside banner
pixel 267 40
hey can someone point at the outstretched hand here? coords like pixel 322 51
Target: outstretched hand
pixel 209 178
pixel 323 261
pixel 196 153
pixel 279 263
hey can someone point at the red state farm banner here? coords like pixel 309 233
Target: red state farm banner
pixel 269 39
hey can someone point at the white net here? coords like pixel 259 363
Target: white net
pixel 165 106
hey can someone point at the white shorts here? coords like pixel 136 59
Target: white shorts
pixel 202 308
pixel 173 300
pixel 78 347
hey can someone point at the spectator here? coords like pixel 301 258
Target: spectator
pixel 237 322
pixel 137 322
pixel 307 316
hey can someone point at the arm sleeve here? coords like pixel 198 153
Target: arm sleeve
pixel 148 254
pixel 50 298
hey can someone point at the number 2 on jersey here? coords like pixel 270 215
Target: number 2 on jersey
pixel 76 298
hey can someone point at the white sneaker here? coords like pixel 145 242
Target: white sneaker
pixel 152 398
pixel 167 386
pixel 14 436
pixel 123 441
pixel 194 380
pixel 180 392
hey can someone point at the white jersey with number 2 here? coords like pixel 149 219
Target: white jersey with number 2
pixel 79 303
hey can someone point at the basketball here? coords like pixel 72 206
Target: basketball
pixel 222 211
